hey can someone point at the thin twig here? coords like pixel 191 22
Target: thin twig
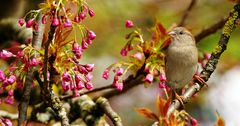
pixel 107 109
pixel 212 63
pixel 37 42
pixel 186 13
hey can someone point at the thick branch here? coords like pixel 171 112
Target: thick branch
pixel 212 63
pixel 37 42
pixel 107 109
pixel 186 13
pixel 51 99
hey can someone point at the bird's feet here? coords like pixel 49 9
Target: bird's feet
pixel 179 98
pixel 200 80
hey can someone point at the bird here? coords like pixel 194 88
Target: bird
pixel 181 60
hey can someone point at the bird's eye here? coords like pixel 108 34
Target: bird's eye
pixel 181 32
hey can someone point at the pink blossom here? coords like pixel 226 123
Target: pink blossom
pixel 84 44
pixel 68 23
pixel 34 62
pixel 44 21
pixel 65 85
pixel 89 67
pixel 91 35
pixel 162 85
pixel 10 92
pixel 129 24
pixel 82 69
pixel 162 77
pixel 20 54
pixel 75 46
pixel 9 100
pixel 76 93
pixel 79 83
pixel 21 22
pixel 77 19
pixel 2 76
pixel 89 77
pixel 149 78
pixel 89 85
pixel 4 54
pixel 194 122
pixel 66 77
pixel 118 86
pixel 8 122
pixel 207 56
pixel 89 41
pixel 138 56
pixel 123 52
pixel 120 71
pixel 78 54
pixel 82 16
pixel 30 23
pixel 11 79
pixel 55 21
pixel 105 74
pixel 91 13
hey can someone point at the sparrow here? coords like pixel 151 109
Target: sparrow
pixel 181 59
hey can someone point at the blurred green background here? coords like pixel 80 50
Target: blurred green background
pixel 109 26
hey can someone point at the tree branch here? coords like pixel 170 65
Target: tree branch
pixel 186 13
pixel 107 109
pixel 212 63
pixel 37 43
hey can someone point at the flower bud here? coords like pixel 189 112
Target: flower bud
pixel 66 77
pixel 149 78
pixel 30 23
pixel 123 52
pixel 82 16
pixel 2 76
pixel 11 79
pixel 65 85
pixel 89 85
pixel 21 22
pixel 105 74
pixel 4 54
pixel 91 13
pixel 9 100
pixel 10 92
pixel 91 35
pixel 89 67
pixel 194 122
pixel 120 71
pixel 67 23
pixel 129 24
pixel 89 77
pixel 55 21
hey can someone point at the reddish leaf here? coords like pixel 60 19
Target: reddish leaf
pixel 161 29
pixel 220 121
pixel 166 43
pixel 147 113
pixel 162 106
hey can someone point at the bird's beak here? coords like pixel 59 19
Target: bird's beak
pixel 172 33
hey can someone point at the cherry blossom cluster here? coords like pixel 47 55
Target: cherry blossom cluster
pixel 117 83
pixel 53 13
pixel 12 78
pixel 79 79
